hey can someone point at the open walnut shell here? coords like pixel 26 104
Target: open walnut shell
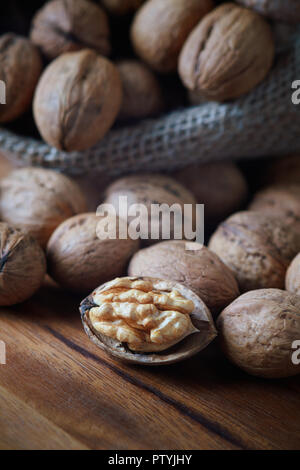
pixel 196 337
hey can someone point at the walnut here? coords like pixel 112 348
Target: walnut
pixel 257 332
pixel 79 259
pixel 23 266
pixel 138 320
pixel 280 10
pixel 121 7
pixel 285 170
pixel 142 94
pixel 148 189
pixel 160 28
pixel 197 268
pixel 20 70
pixel 292 281
pixel 70 25
pixel 257 247
pixel 77 100
pixel 280 200
pixel 227 54
pixel 37 200
pixel 221 187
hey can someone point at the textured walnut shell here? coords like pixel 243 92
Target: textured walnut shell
pixel 20 69
pixel 198 269
pixel 77 100
pixel 148 189
pixel 221 187
pixel 280 200
pixel 257 332
pixel 62 26
pixel 23 266
pixel 280 10
pixel 285 170
pixel 38 200
pixel 191 345
pixel 142 94
pixel 292 281
pixel 257 247
pixel 160 28
pixel 79 260
pixel 120 7
pixel 227 54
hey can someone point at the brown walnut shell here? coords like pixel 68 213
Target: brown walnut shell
pixel 142 94
pixel 227 54
pixel 257 332
pixel 160 28
pixel 77 100
pixel 36 201
pixel 22 266
pixel 292 282
pixel 280 10
pixel 280 200
pixel 191 345
pixel 197 268
pixel 148 189
pixel 62 26
pixel 257 247
pixel 221 187
pixel 79 260
pixel 20 69
pixel 121 7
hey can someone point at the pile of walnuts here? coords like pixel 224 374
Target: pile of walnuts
pixel 151 300
pixel 74 73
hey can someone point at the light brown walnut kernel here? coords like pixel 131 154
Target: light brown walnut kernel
pixel 77 100
pixel 20 69
pixel 192 265
pixel 62 26
pixel 147 321
pixel 227 54
pixel 22 266
pixel 160 28
pixel 257 332
pixel 280 10
pixel 292 281
pixel 142 94
pixel 257 247
pixel 37 200
pixel 79 259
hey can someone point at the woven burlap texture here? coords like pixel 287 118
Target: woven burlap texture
pixel 263 123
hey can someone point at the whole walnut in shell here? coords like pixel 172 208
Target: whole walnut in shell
pixel 36 201
pixel 147 321
pixel 80 259
pixel 20 69
pixel 280 200
pixel 292 281
pixel 284 170
pixel 221 187
pixel 149 190
pixel 280 10
pixel 120 7
pixel 192 265
pixel 142 94
pixel 227 54
pixel 257 247
pixel 77 100
pixel 160 28
pixel 23 266
pixel 62 26
pixel 257 332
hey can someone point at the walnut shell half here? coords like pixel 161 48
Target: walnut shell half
pixel 292 281
pixel 257 332
pixel 108 300
pixel 227 54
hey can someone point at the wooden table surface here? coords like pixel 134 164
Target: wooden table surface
pixel 59 391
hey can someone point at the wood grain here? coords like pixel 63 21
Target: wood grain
pixel 58 391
